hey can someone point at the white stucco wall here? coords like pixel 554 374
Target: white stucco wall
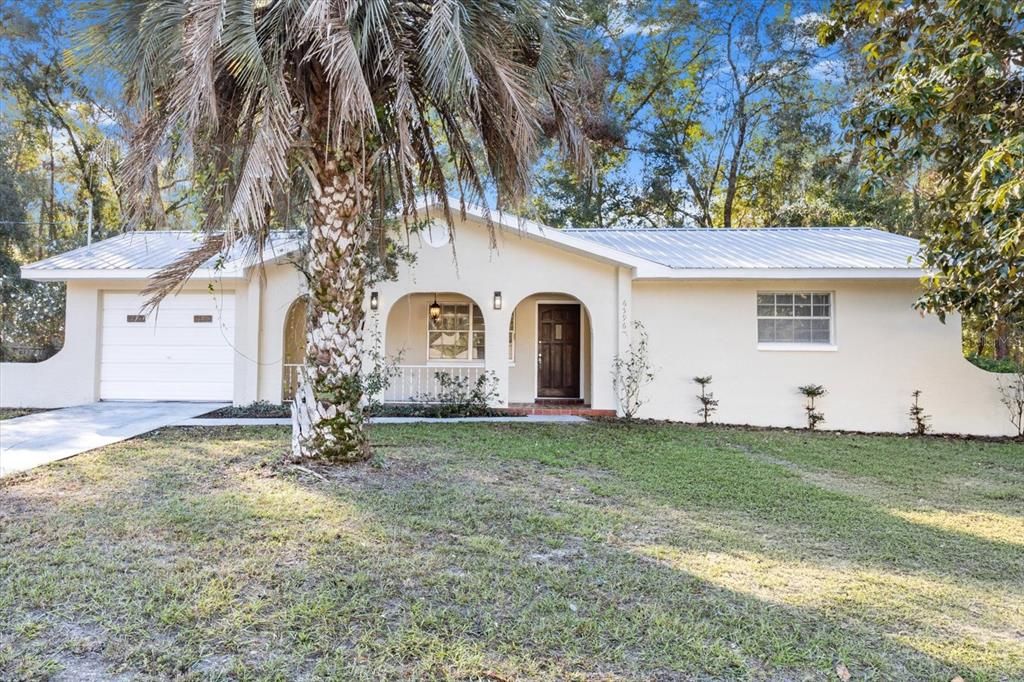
pixel 884 351
pixel 69 377
pixel 279 286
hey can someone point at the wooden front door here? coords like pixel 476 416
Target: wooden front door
pixel 558 351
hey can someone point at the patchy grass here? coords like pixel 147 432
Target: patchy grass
pixel 12 412
pixel 514 551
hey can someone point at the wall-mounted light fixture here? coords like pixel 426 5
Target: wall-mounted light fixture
pixel 497 300
pixel 435 310
pixel 374 300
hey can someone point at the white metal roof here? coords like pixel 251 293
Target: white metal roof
pixel 690 253
pixel 140 254
pixel 767 248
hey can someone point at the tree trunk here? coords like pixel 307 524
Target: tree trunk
pixel 327 420
pixel 734 167
pixel 53 193
pixel 1002 341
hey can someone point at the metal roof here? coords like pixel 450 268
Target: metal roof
pixel 762 248
pixel 694 253
pixel 153 250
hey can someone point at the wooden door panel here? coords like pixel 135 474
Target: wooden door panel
pixel 558 351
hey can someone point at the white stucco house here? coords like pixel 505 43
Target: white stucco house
pixel 546 311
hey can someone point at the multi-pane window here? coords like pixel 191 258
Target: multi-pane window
pixel 794 318
pixel 457 334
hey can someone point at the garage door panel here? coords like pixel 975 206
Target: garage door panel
pixel 177 319
pixel 176 354
pixel 133 390
pixel 169 356
pixel 144 338
pixel 133 303
pixel 170 372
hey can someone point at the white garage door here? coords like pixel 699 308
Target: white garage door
pixel 183 350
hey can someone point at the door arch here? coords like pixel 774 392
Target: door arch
pixel 294 346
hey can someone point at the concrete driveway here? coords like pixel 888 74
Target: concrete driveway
pixel 37 439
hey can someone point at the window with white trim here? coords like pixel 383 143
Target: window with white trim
pixel 457 334
pixel 794 317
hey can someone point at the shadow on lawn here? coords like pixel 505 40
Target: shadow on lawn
pixel 551 553
pixel 684 469
pixel 582 596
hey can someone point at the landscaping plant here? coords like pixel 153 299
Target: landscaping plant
pixel 708 404
pixel 917 415
pixel 381 373
pixel 811 392
pixel 632 371
pixel 456 397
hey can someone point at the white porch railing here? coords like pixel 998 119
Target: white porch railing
pixel 289 381
pixel 419 382
pixel 412 383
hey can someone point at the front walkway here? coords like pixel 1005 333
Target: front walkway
pixel 37 439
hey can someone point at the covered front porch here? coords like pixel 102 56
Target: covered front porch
pixel 542 320
pixel 538 349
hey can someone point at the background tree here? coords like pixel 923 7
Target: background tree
pixel 345 110
pixel 944 93
pixel 59 147
pixel 727 113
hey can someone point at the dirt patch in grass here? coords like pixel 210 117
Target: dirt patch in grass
pixel 468 551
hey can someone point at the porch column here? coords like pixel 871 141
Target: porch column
pixel 247 341
pixel 496 348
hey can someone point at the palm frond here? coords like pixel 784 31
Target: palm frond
pixel 436 97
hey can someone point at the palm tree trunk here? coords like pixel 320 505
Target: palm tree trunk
pixel 327 420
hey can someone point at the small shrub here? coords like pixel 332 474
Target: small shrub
pixel 708 404
pixel 382 371
pixel 457 397
pixel 431 410
pixel 1012 396
pixel 812 392
pixel 917 415
pixel 631 372
pixel 1004 366
pixel 260 409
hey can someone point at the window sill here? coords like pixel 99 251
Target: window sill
pixel 799 347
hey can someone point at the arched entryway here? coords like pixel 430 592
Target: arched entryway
pixel 294 348
pixel 421 346
pixel 550 336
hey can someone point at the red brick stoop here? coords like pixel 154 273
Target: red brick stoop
pixel 555 409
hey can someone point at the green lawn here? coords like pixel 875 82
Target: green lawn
pixel 515 551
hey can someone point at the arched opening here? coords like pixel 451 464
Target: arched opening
pixel 294 348
pixel 551 340
pixel 420 346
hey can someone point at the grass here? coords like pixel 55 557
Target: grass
pixel 12 412
pixel 514 551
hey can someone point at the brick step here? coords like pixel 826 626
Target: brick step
pixel 577 410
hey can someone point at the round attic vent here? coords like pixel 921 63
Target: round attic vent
pixel 435 234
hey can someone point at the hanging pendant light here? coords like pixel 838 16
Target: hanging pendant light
pixel 435 310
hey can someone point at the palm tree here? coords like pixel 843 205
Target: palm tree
pixel 353 106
